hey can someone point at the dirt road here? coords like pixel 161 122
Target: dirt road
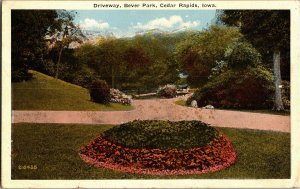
pixel 160 109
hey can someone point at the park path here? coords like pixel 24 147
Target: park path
pixel 160 109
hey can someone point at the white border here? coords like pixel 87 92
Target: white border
pixel 170 183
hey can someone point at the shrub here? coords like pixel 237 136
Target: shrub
pixel 167 91
pixel 241 89
pixel 20 74
pixel 286 94
pixel 162 134
pixel 85 78
pixel 240 55
pixel 99 92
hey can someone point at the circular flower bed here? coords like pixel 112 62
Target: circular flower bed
pixel 215 152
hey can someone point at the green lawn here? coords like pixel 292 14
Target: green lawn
pixel 54 148
pixel 47 93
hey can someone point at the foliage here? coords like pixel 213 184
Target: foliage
pixel 29 28
pixel 198 53
pixel 120 97
pixel 242 89
pixel 217 155
pixel 84 77
pixel 240 55
pixel 43 92
pixel 286 94
pixel 261 154
pixel 162 134
pixel 141 63
pixel 269 32
pixel 167 91
pixel 266 29
pixel 219 67
pixel 66 33
pixel 161 67
pixel 69 69
pixel 99 92
pixel 43 40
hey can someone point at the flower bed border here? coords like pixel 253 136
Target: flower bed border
pixel 229 159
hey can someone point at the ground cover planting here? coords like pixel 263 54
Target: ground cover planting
pixel 161 148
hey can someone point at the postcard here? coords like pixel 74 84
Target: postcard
pixel 150 94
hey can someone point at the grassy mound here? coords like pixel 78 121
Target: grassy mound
pixel 162 134
pixel 47 93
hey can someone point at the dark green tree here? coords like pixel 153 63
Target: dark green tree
pixel 28 30
pixel 198 53
pixel 66 33
pixel 140 63
pixel 269 32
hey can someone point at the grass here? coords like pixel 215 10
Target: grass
pixel 54 148
pixel 147 97
pixel 180 102
pixel 286 113
pixel 47 93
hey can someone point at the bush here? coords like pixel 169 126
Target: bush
pixel 240 89
pixel 240 55
pixel 18 75
pixel 162 134
pixel 99 92
pixel 286 94
pixel 85 78
pixel 167 91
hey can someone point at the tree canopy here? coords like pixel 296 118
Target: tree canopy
pixel 28 30
pixel 141 63
pixel 198 53
pixel 267 30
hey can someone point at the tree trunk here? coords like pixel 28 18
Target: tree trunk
pixel 278 105
pixel 58 62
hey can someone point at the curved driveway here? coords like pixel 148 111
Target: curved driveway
pixel 160 109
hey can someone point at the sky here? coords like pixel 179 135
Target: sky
pixel 126 23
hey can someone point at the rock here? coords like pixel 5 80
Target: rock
pixel 194 104
pixel 208 107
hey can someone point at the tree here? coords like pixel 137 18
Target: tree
pixel 111 62
pixel 241 54
pixel 66 33
pixel 105 58
pixel 159 67
pixel 29 28
pixel 200 51
pixel 140 63
pixel 268 31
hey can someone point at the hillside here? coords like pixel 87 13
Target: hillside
pixel 47 93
